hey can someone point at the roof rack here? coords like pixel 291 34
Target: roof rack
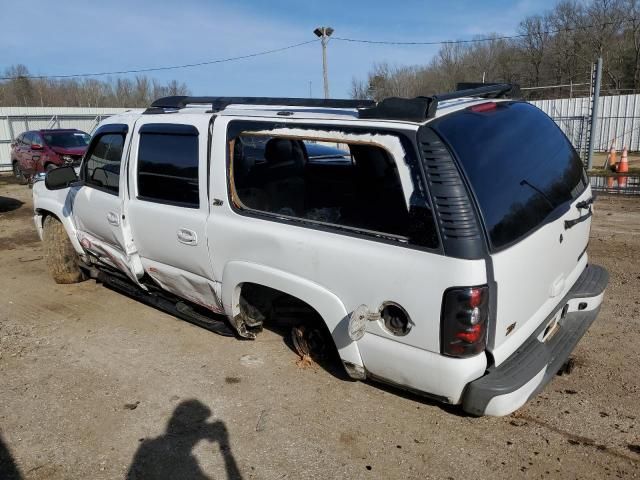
pixel 220 103
pixel 416 109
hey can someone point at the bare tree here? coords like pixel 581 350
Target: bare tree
pixel 21 90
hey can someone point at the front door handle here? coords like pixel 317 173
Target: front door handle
pixel 113 218
pixel 188 237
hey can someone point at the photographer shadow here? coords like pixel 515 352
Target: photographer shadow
pixel 170 456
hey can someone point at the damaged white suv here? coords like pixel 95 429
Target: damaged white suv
pixel 440 240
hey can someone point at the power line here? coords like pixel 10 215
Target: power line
pixel 171 67
pixel 486 39
pixel 343 39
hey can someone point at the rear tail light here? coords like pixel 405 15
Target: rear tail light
pixel 463 325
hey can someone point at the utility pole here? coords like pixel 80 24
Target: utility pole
pixel 594 112
pixel 324 33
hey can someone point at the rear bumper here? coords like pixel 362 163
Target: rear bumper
pixel 506 388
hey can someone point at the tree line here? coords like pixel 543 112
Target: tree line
pixel 557 47
pixel 22 91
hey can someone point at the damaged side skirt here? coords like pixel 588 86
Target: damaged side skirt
pixel 165 302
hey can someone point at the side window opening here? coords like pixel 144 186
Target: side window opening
pixel 102 167
pixel 351 184
pixel 168 168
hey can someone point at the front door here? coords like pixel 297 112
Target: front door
pixel 97 208
pixel 169 208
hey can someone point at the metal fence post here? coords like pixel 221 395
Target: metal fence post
pixel 594 113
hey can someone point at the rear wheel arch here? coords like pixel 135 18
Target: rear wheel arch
pixel 328 306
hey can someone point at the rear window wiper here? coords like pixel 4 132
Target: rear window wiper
pixel 540 192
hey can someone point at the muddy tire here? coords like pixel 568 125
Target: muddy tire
pixel 62 259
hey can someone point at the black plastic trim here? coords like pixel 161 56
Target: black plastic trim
pixel 533 356
pixel 454 211
pixel 122 128
pixel 169 129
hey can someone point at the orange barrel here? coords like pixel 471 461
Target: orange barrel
pixel 623 166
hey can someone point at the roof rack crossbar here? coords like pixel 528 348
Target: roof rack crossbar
pixel 220 103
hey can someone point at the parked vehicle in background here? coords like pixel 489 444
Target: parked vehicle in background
pixel 438 243
pixel 38 151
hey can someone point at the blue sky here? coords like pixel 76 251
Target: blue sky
pixel 62 37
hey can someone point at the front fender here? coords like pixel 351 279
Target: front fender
pixel 328 305
pixel 58 203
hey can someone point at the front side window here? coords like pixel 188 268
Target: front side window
pixel 347 184
pixel 168 165
pixel 102 166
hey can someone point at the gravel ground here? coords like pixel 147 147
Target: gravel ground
pixel 94 384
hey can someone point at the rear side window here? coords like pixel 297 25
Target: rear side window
pixel 102 166
pixel 349 185
pixel 520 165
pixel 168 165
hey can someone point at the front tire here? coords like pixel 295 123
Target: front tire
pixel 62 260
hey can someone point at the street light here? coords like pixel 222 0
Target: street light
pixel 324 33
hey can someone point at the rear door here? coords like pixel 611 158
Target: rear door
pixel 169 205
pixel 527 180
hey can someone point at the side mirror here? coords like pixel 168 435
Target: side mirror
pixel 35 146
pixel 61 177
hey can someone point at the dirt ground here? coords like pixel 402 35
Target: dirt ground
pixel 93 383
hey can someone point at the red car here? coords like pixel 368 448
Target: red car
pixel 39 151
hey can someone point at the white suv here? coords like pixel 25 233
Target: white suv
pixel 440 240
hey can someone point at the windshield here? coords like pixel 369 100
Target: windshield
pixel 520 165
pixel 67 139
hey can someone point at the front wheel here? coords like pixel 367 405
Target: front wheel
pixel 17 172
pixel 62 259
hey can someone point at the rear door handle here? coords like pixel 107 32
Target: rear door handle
pixel 113 218
pixel 572 223
pixel 188 237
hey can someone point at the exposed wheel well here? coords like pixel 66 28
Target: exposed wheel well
pixel 261 303
pixel 46 213
pixel 298 321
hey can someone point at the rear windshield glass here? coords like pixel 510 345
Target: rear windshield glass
pixel 520 165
